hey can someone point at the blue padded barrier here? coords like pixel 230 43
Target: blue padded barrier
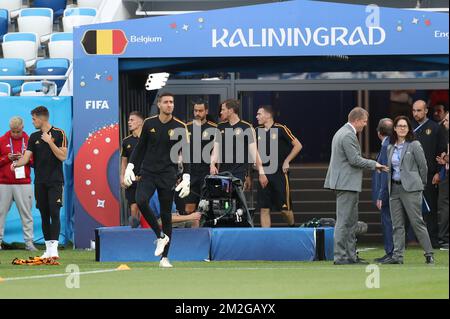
pixel 128 244
pixel 283 244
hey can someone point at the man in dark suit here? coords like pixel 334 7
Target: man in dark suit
pixel 380 194
pixel 432 138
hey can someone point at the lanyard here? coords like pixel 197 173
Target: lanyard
pixel 417 128
pixel 12 148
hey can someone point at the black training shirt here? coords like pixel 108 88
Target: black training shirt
pixel 128 145
pixel 152 154
pixel 200 137
pixel 47 167
pixel 235 157
pixel 279 135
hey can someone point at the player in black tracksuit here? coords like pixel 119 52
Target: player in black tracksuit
pixel 155 160
pixel 235 148
pixel 277 143
pixel 201 134
pixel 135 122
pixel 48 146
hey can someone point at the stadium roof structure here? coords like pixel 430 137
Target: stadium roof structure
pixel 305 36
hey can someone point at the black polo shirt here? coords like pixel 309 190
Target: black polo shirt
pixel 234 144
pixel 200 137
pixel 152 154
pixel 128 145
pixel 278 134
pixel 47 167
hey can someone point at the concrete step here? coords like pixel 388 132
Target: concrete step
pixel 321 194
pixel 368 217
pixel 301 171
pixel 326 206
pixel 315 183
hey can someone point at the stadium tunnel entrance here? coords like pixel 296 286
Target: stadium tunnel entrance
pixel 280 66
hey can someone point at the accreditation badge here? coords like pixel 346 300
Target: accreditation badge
pixel 20 172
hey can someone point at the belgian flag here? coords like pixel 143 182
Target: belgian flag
pixel 104 42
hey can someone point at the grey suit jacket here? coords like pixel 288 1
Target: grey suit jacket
pixel 345 171
pixel 413 167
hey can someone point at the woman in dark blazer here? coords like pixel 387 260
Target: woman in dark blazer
pixel 407 176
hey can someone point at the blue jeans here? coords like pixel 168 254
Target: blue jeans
pixel 386 226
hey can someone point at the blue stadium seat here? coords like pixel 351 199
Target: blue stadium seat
pixel 21 45
pixel 13 6
pixel 78 16
pixel 4 20
pixel 53 67
pixel 5 89
pixel 61 45
pixel 35 88
pixel 58 6
pixel 37 20
pixel 13 67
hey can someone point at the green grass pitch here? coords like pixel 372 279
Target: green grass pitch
pixel 236 279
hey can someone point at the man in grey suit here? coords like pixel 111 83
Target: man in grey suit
pixel 344 175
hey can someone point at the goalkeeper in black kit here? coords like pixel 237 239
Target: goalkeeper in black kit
pixel 155 159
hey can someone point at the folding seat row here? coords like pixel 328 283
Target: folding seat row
pixel 10 67
pixel 25 45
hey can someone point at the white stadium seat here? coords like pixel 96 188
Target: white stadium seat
pixel 35 88
pixel 5 89
pixel 61 45
pixel 21 45
pixel 13 6
pixel 89 3
pixel 78 16
pixel 37 20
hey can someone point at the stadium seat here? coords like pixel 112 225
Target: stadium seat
pixel 21 45
pixel 13 7
pixel 35 88
pixel 5 89
pixel 13 67
pixel 89 3
pixel 58 6
pixel 4 20
pixel 53 67
pixel 61 45
pixel 37 20
pixel 78 16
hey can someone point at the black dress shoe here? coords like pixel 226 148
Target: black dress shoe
pixel 381 259
pixel 429 260
pixel 392 261
pixel 360 261
pixel 343 262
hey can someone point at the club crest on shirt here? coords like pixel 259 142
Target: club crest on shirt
pixel 428 131
pixel 238 131
pixel 274 136
pixel 128 146
pixel 37 142
pixel 152 130
pixel 205 134
pixel 171 132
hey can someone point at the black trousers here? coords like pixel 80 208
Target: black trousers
pixel 49 200
pixel 165 184
pixel 431 219
pixel 443 211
